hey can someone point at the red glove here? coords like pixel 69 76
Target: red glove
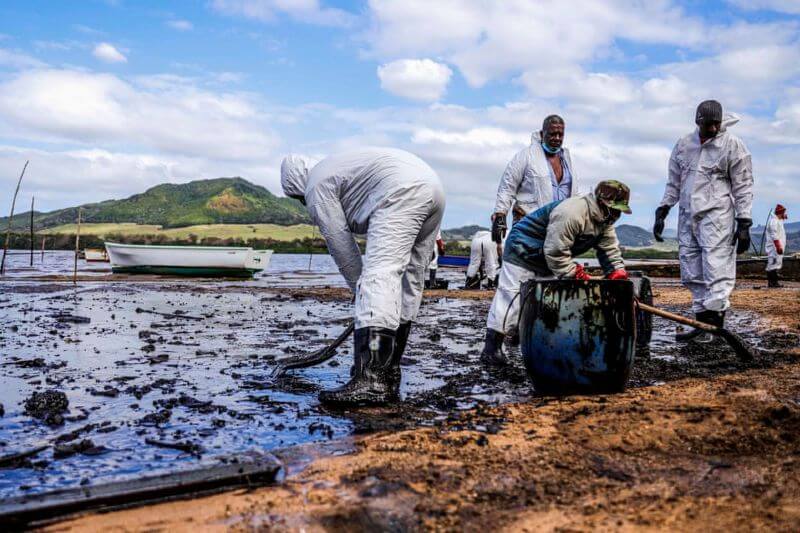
pixel 778 247
pixel 440 246
pixel 580 273
pixel 618 274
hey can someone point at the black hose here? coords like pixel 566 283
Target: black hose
pixel 312 359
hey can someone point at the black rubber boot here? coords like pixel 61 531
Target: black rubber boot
pixel 490 283
pixel 773 279
pixel 513 336
pixel 702 316
pixel 492 354
pixel 715 318
pixel 371 383
pixel 400 341
pixel 473 282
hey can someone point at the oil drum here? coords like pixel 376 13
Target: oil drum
pixel 578 336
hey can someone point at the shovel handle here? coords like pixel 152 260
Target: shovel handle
pixel 676 318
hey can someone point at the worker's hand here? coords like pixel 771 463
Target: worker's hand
pixel 440 246
pixel 741 238
pixel 620 273
pixel 580 273
pixel 658 227
pixel 499 227
pixel 778 247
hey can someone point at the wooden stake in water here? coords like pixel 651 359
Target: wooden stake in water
pixel 32 199
pixel 8 230
pixel 77 247
pixel 43 238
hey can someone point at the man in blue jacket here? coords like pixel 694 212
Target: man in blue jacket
pixel 545 243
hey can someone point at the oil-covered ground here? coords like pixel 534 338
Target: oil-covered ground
pixel 163 375
pixel 701 441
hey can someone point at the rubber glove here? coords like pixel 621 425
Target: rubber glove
pixel 499 227
pixel 658 227
pixel 580 273
pixel 741 238
pixel 618 274
pixel 440 246
pixel 778 247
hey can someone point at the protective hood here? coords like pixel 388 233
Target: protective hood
pixel 728 120
pixel 294 174
pixel 536 137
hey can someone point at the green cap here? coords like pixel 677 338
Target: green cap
pixel 614 195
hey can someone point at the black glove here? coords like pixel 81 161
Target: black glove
pixel 742 236
pixel 499 227
pixel 658 227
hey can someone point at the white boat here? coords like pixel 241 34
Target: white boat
pixel 201 261
pixel 95 255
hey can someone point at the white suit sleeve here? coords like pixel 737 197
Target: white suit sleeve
pixel 509 183
pixel 608 253
pixel 740 170
pixel 673 191
pixel 772 230
pixel 328 214
pixel 562 231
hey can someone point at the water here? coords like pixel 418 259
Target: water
pixel 211 374
pixel 221 362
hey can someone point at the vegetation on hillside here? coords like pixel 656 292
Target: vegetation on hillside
pixel 214 201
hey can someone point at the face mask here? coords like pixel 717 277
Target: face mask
pixel 550 150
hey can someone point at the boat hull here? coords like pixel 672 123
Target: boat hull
pixel 200 261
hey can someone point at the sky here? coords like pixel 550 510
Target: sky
pixel 107 98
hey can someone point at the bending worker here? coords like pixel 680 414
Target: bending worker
pixel 537 175
pixel 711 178
pixel 483 255
pixel 776 242
pixel 397 200
pixel 545 244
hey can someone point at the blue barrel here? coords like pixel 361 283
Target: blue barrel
pixel 578 336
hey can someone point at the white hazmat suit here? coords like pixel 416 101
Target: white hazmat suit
pixel 394 198
pixel 527 179
pixel 775 232
pixel 483 251
pixel 713 184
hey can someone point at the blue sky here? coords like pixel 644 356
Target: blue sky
pixel 107 98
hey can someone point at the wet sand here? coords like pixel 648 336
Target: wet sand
pixel 700 441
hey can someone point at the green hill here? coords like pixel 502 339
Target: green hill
pixel 214 201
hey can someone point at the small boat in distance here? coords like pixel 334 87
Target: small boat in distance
pixel 95 255
pixel 199 261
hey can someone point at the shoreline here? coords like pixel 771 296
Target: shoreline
pixel 718 452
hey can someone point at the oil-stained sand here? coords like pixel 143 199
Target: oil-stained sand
pixel 720 451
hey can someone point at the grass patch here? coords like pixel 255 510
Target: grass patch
pixel 219 231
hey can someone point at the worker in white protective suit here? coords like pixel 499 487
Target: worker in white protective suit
pixel 483 256
pixel 433 266
pixel 397 200
pixel 711 178
pixel 537 175
pixel 776 242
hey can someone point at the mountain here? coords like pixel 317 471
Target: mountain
pixel 213 201
pixel 464 233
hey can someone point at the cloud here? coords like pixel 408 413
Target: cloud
pixel 167 114
pixel 308 11
pixel 108 53
pixel 180 25
pixel 781 6
pixel 491 40
pixel 18 60
pixel 416 79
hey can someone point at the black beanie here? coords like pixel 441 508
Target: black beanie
pixel 710 111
